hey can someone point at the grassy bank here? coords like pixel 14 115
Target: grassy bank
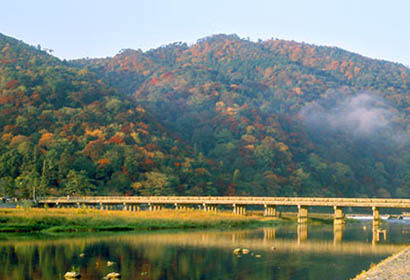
pixel 68 220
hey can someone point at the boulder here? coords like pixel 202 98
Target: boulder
pixel 72 275
pixel 113 275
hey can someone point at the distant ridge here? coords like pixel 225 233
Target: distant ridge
pixel 224 116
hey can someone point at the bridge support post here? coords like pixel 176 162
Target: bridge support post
pixel 302 214
pixel 125 206
pixel 270 210
pixel 338 216
pixel 149 206
pixel 376 213
pixel 234 210
pixel 205 207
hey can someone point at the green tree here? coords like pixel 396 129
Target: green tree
pixel 7 186
pixel 155 183
pixel 78 183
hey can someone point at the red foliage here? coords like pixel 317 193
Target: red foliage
pixel 116 139
pixel 35 96
pixel 230 191
pixel 167 76
pixel 148 161
pixel 154 81
pixel 94 149
pixel 12 84
pixel 151 147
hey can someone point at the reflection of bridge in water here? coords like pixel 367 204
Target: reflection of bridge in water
pixel 238 204
pixel 265 240
pixel 378 234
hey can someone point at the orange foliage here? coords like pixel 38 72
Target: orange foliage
pixel 4 100
pixel 103 161
pixel 46 139
pixel 18 140
pixel 35 96
pixel 10 128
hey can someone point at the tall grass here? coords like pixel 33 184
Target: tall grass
pixel 55 220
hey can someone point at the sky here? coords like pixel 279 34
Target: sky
pixel 100 28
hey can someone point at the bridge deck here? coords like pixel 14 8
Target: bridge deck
pixel 231 200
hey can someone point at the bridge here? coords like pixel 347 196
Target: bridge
pixel 238 203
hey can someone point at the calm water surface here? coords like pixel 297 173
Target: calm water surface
pixel 283 252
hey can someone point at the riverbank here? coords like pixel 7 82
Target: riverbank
pixel 396 267
pixel 73 220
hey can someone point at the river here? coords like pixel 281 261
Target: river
pixel 282 252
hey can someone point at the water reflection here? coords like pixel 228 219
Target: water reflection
pixel 378 234
pixel 283 252
pixel 338 232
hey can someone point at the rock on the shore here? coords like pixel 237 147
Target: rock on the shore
pixel 72 275
pixel 113 275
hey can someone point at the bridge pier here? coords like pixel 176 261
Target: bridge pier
pixel 376 213
pixel 302 214
pixel 270 210
pixel 338 217
pixel 239 209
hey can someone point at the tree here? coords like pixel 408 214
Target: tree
pixel 78 183
pixel 26 183
pixel 156 183
pixel 7 186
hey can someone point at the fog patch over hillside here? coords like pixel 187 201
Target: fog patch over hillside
pixel 361 116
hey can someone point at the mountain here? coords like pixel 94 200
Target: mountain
pixel 223 116
pixel 64 131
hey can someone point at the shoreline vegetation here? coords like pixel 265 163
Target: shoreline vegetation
pixel 26 220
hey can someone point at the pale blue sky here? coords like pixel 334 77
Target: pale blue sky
pixel 88 28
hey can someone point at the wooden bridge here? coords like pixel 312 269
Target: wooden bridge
pixel 238 203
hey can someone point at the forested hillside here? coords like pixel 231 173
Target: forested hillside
pixel 64 131
pixel 224 116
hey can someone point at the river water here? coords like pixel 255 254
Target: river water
pixel 281 252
